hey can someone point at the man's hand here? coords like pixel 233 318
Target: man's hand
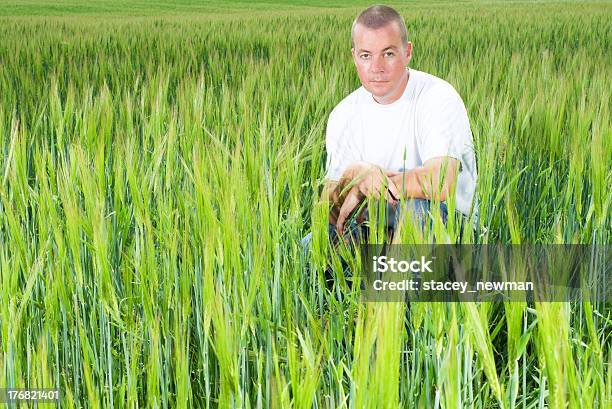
pixel 361 181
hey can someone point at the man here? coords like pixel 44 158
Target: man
pixel 402 134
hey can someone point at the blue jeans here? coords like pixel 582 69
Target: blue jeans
pixel 417 209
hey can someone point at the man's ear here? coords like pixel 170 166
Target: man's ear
pixel 409 50
pixel 353 55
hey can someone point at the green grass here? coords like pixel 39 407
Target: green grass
pixel 158 170
pixel 156 8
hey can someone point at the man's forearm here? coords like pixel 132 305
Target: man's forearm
pixel 409 185
pixel 423 183
pixel 432 181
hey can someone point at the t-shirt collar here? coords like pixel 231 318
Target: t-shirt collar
pixel 398 101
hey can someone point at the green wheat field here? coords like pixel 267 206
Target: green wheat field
pixel 160 162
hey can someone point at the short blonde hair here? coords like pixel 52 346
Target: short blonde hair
pixel 378 16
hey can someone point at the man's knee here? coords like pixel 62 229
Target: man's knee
pixel 306 241
pixel 305 244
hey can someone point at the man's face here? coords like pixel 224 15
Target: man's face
pixel 381 60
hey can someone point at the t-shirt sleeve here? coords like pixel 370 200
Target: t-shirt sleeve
pixel 443 125
pixel 337 145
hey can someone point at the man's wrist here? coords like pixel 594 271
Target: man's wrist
pixel 407 184
pixel 397 178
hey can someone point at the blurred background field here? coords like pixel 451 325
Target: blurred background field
pixel 160 162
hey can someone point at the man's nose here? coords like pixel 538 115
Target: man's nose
pixel 377 65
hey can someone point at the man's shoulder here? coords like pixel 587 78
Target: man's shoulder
pixel 348 104
pixel 429 86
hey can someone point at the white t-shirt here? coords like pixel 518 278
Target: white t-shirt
pixel 429 120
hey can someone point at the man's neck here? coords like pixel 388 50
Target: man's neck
pixel 397 93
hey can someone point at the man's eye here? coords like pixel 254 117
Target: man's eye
pixel 364 56
pixel 389 54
